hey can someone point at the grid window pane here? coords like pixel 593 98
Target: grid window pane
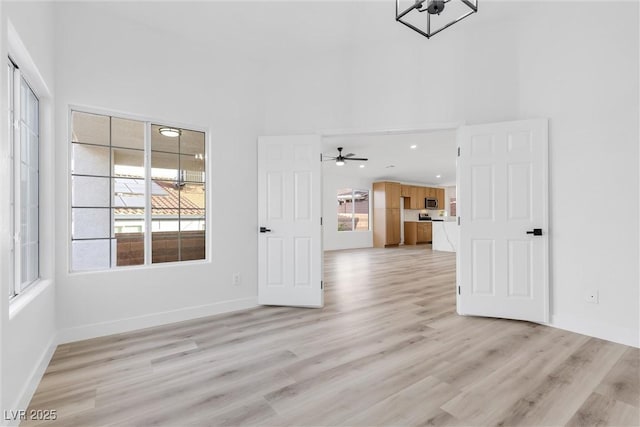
pixel 164 166
pixel 192 196
pixel 160 142
pixel 90 254
pixel 128 163
pixel 33 147
pixel 90 128
pixel 129 193
pixel 192 239
pixel 33 227
pixel 128 233
pixel 127 133
pixel 165 246
pixel 192 142
pixel 89 160
pixel 90 192
pixel 192 168
pixel 32 272
pixel 88 223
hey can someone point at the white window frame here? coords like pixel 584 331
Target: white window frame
pixel 148 122
pixel 353 211
pixel 16 80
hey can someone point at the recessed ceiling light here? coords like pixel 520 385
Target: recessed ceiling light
pixel 361 166
pixel 438 176
pixel 170 132
pixel 413 147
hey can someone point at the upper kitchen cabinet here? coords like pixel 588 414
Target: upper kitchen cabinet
pixel 440 197
pixel 431 192
pixel 405 190
pixel 386 195
pixel 414 198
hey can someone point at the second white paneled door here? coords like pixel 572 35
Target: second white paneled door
pixel 503 209
pixel 289 220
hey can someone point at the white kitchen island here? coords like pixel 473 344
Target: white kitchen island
pixel 445 235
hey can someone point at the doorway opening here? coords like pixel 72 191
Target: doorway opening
pixel 422 160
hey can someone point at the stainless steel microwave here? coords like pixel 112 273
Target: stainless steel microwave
pixel 430 203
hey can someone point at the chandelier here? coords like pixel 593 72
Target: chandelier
pixel 429 17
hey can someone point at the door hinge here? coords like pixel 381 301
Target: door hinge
pixel 321 284
pixel 458 290
pixel 458 220
pixel 458 151
pixel 320 156
pixel 320 220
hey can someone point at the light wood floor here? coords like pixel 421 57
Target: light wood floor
pixel 388 349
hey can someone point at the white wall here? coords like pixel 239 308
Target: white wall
pixel 365 72
pixel 110 56
pixel 28 324
pixel 582 73
pixel 332 239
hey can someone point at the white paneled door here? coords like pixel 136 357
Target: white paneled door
pixel 503 258
pixel 289 220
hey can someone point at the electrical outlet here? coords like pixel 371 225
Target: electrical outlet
pixel 236 279
pixel 591 296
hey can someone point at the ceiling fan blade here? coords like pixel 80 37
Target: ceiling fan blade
pixel 356 158
pixel 326 158
pixel 349 155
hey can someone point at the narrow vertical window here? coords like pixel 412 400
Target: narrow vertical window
pixel 25 148
pixel 178 194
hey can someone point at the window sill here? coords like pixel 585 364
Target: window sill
pixel 19 302
pixel 157 265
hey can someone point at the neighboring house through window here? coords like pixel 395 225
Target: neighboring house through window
pixel 138 192
pixel 353 209
pixel 24 198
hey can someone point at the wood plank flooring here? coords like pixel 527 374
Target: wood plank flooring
pixel 387 349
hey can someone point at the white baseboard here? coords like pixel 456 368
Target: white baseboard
pixel 156 319
pixel 626 336
pixel 33 381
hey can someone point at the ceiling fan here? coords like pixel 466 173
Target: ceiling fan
pixel 340 159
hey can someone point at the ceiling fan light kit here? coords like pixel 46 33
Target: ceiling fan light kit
pixel 429 17
pixel 341 158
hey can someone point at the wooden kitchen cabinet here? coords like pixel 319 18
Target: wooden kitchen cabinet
pixel 424 232
pixel 440 197
pixel 386 195
pixel 417 232
pixel 405 190
pixel 431 192
pixel 410 233
pixel 386 227
pixel 392 193
pixel 415 197
pixel 386 214
pixel 393 227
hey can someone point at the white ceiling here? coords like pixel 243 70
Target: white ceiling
pixel 435 155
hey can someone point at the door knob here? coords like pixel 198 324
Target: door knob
pixel 265 230
pixel 535 232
